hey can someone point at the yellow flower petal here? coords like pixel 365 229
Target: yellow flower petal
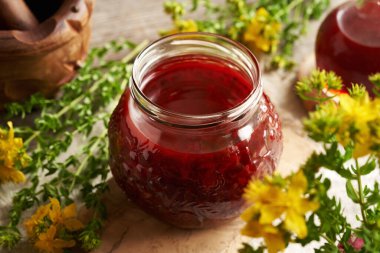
pixel 11 133
pixel 45 246
pixel 249 213
pixel 73 224
pixel 69 211
pixel 8 174
pixel 251 229
pixel 255 229
pixel 306 206
pixel 49 234
pixel 275 243
pixel 269 213
pixel 295 223
pixel 69 219
pixel 272 236
pixel 11 153
pixel 298 182
pixel 55 210
pixel 47 242
pixel 262 32
pixel 36 218
pixel 183 26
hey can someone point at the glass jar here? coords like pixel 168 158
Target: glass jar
pixel 348 42
pixel 192 130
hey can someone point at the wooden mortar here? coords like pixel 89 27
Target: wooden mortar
pixel 39 55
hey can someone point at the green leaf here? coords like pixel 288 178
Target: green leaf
pixel 368 167
pixel 351 192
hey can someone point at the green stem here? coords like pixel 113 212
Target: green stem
pixel 85 160
pixel 288 9
pixel 360 192
pixel 329 240
pixel 34 135
pixel 76 101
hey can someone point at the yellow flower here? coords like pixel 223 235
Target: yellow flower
pixel 263 32
pixel 284 204
pixel 263 196
pixel 351 119
pixel 298 205
pixel 66 217
pixel 274 239
pixel 12 156
pixel 37 219
pixel 49 222
pixel 48 243
pixel 357 115
pixel 182 26
pixel 375 134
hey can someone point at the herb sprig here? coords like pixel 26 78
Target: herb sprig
pixel 81 112
pixel 265 26
pixel 347 126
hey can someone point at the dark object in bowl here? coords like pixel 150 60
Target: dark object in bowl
pixel 42 54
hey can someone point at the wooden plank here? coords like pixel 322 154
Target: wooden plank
pixel 135 20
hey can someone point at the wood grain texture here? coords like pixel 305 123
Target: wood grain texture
pixel 135 20
pixel 16 15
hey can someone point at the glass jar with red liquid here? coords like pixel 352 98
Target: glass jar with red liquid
pixel 192 129
pixel 348 42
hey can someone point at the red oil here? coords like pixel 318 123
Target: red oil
pixel 193 177
pixel 348 42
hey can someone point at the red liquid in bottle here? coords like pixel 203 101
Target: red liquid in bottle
pixel 192 178
pixel 348 42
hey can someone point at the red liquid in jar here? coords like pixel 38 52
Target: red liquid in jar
pixel 192 178
pixel 348 42
pixel 196 86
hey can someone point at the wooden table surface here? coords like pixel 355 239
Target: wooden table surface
pixel 130 230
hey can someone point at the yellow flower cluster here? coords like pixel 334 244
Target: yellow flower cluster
pixel 182 26
pixel 263 32
pixel 359 122
pixel 277 210
pixel 49 227
pixel 12 156
pixel 352 119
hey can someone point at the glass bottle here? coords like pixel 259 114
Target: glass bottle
pixel 348 42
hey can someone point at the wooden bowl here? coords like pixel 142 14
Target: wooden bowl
pixel 47 55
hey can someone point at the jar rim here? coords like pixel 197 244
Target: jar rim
pixel 192 120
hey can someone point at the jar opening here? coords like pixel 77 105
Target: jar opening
pixel 195 80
